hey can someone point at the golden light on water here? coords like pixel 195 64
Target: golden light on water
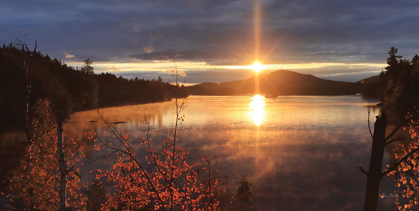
pixel 257 113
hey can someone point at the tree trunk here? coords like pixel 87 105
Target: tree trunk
pixel 374 174
pixel 62 166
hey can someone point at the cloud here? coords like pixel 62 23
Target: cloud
pixel 216 31
pixel 178 55
pixel 113 69
pixel 179 72
pixel 150 48
pixel 69 56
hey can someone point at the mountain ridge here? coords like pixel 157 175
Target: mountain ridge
pixel 280 82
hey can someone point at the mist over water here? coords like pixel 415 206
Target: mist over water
pixel 300 152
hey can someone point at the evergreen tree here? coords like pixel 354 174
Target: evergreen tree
pixel 87 67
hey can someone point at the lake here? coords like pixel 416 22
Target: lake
pixel 299 152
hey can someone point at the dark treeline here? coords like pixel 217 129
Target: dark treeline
pixel 397 86
pixel 27 75
pixel 115 91
pixel 398 89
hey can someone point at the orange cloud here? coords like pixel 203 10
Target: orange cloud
pixel 69 56
pixel 179 72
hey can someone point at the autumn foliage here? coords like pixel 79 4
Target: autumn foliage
pixel 35 180
pixel 407 173
pixel 145 174
pixel 161 179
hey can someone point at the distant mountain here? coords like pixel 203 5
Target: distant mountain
pixel 281 82
pixel 372 79
pixel 373 87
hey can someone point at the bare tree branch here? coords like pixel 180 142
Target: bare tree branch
pixel 363 170
pixel 369 125
pixel 397 139
pixel 128 151
pixel 398 127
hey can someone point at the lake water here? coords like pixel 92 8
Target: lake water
pixel 300 152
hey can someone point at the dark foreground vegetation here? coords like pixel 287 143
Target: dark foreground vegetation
pixel 27 75
pixel 37 91
pixel 397 86
pixel 396 131
pixel 157 175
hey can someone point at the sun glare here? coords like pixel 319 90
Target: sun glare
pixel 257 66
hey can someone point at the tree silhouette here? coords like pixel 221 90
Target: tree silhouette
pixel 87 67
pixel 96 196
pixel 27 75
pixel 244 194
pixel 397 86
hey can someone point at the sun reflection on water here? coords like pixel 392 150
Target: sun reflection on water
pixel 258 113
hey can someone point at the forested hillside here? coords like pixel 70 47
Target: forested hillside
pixel 281 82
pixel 27 75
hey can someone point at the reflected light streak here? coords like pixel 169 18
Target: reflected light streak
pixel 258 113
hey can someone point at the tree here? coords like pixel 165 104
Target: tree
pixel 87 67
pixel 27 75
pixel 244 194
pixel 160 178
pixel 164 179
pixel 36 178
pixel 374 174
pixel 406 171
pixel 96 196
pixel 400 104
pixel 400 85
pixel 415 60
pixel 380 142
pixel 392 61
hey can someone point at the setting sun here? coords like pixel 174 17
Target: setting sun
pixel 257 66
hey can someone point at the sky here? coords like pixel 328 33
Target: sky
pixel 214 40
